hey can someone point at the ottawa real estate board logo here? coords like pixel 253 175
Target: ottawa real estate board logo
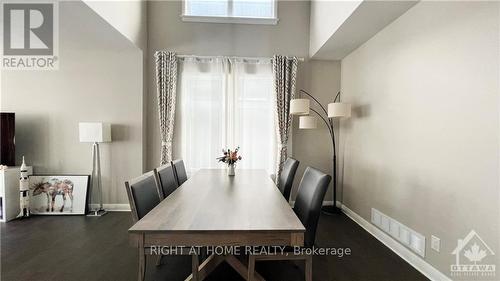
pixel 473 259
pixel 30 35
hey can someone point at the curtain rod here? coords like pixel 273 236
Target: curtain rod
pixel 232 57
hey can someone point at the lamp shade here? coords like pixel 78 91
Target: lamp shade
pixel 339 109
pixel 94 132
pixel 307 122
pixel 299 106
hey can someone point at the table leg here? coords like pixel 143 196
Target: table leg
pixel 213 261
pixel 194 267
pixel 142 259
pixel 207 267
pixel 251 268
pixel 242 269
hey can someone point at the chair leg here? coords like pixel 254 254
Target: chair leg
pixel 158 260
pixel 307 259
pixel 251 268
pixel 203 255
pixel 308 268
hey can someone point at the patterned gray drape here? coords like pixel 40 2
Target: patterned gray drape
pixel 166 84
pixel 284 72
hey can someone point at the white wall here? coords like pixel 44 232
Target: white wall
pixel 97 61
pixel 326 18
pixel 423 143
pixel 289 37
pixel 314 147
pixel 128 17
pixel 99 79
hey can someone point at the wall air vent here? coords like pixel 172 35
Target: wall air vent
pixel 403 234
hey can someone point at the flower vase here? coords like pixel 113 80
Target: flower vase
pixel 230 170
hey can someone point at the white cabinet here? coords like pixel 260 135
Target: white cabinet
pixel 9 192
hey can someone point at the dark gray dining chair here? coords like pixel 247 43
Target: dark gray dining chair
pixel 309 200
pixel 307 207
pixel 287 175
pixel 180 171
pixel 167 182
pixel 143 195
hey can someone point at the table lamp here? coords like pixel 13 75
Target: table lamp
pixel 95 133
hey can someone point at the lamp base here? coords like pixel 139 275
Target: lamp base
pixel 97 213
pixel 331 210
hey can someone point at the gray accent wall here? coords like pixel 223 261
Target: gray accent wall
pixel 423 143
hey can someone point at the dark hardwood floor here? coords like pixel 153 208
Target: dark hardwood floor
pixel 89 248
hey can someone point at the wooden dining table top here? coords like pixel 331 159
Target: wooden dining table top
pixel 212 201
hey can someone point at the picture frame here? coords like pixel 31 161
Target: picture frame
pixel 59 194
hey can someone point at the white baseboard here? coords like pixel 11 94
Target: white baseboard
pixel 328 203
pixel 410 257
pixel 325 203
pixel 113 207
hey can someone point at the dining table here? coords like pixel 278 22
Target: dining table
pixel 214 209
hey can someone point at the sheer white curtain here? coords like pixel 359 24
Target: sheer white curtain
pixel 254 129
pixel 227 103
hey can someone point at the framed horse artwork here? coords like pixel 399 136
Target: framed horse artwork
pixel 59 194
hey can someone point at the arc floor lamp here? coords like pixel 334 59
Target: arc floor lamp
pixel 336 109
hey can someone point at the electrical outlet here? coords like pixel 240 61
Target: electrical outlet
pixel 435 243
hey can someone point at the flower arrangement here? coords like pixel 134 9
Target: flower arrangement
pixel 230 157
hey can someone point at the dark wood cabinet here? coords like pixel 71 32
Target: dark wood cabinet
pixel 7 141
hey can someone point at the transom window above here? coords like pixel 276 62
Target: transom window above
pixel 230 11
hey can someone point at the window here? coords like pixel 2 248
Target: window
pixel 230 11
pixel 226 103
